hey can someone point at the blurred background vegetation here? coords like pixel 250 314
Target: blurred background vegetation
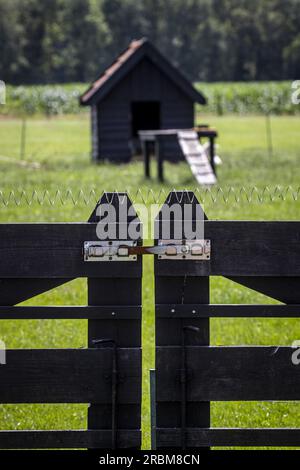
pixel 224 98
pixel 58 41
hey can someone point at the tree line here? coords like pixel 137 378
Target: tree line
pixel 57 41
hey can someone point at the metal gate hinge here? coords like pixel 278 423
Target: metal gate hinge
pixel 129 250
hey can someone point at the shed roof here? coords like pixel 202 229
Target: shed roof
pixel 126 61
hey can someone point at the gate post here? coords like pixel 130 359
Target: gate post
pixel 118 284
pixel 179 282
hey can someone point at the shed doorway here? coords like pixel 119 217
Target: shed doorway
pixel 145 115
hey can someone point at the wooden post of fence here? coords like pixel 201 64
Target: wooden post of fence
pixel 118 284
pixel 23 138
pixel 178 282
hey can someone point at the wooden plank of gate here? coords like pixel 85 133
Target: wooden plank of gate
pixel 196 157
pixel 225 437
pixel 113 312
pixel 118 285
pixel 246 248
pixel 99 438
pixel 234 373
pixel 68 376
pixel 172 286
pixel 227 311
pixel 53 250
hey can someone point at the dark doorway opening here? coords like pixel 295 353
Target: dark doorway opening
pixel 145 115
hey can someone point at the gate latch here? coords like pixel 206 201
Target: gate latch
pixel 185 249
pixel 128 250
pixel 109 251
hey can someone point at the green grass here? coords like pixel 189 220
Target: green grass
pixel 61 148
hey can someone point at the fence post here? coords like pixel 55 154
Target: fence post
pixel 119 283
pixel 176 282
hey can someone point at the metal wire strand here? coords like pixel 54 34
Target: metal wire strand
pixel 87 197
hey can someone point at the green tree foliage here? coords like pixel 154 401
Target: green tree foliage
pixel 211 40
pixel 11 41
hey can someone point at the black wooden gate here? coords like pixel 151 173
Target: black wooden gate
pixel 264 256
pixel 107 375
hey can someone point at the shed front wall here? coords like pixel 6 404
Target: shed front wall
pixel 144 83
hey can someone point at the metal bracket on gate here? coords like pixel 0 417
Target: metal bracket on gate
pixel 185 249
pixel 109 251
pixel 128 250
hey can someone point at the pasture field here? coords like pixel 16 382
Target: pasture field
pixel 57 157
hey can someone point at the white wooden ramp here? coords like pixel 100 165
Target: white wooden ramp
pixel 196 156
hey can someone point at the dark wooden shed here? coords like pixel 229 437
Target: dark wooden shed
pixel 141 90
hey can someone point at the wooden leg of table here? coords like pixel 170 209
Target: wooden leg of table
pixel 146 154
pixel 212 153
pixel 159 156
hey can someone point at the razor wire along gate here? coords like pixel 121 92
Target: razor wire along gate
pixel 263 256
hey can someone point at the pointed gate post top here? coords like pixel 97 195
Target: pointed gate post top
pixel 118 214
pixel 180 217
pixel 116 199
pixel 181 197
